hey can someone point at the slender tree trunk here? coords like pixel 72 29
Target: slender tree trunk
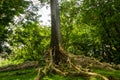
pixel 55 31
pixel 55 23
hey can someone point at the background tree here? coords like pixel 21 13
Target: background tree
pixel 104 16
pixel 8 9
pixel 29 42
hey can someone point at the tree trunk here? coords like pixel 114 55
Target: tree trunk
pixel 55 30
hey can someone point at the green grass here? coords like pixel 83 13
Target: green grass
pixel 25 74
pixel 108 73
pixel 58 77
pixel 31 74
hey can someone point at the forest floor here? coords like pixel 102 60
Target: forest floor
pixel 29 71
pixel 31 74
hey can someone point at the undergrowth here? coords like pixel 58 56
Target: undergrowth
pixel 5 62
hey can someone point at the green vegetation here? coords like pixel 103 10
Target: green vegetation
pixel 25 74
pixel 115 75
pixel 31 74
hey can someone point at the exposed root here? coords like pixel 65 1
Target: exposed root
pixel 59 71
pixel 65 65
pixel 27 64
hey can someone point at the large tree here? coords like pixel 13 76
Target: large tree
pixel 56 58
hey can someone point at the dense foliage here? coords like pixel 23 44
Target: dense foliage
pixel 92 28
pixel 29 41
pixel 104 15
pixel 8 9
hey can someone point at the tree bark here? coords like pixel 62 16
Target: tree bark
pixel 55 31
pixel 55 23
